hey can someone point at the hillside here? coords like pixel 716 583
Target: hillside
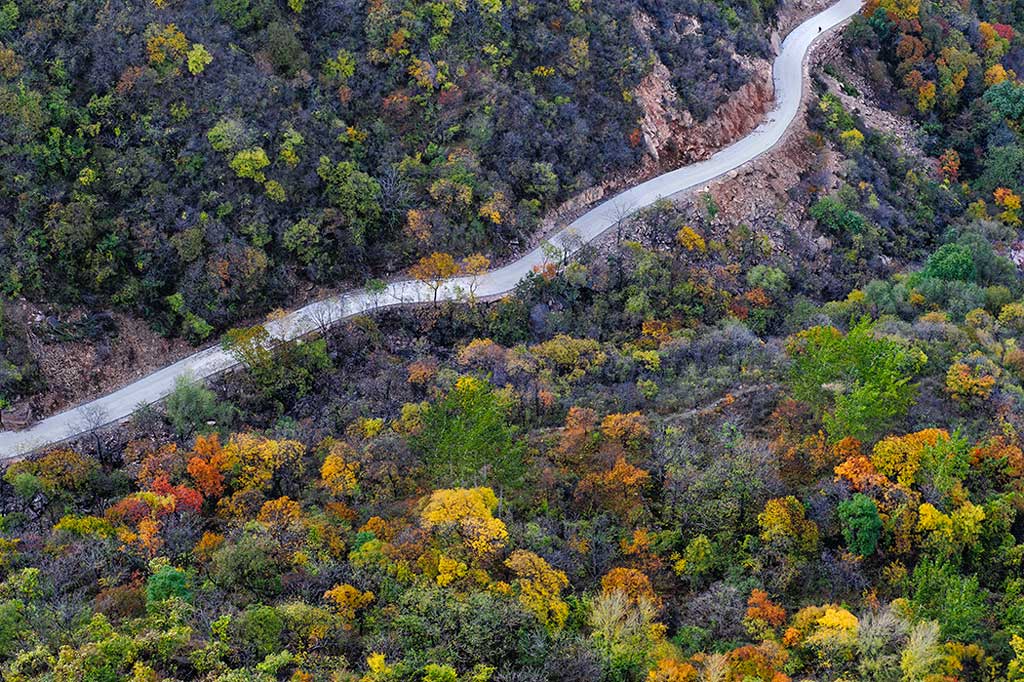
pixel 768 432
pixel 196 164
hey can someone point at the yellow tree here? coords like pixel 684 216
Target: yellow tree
pixel 899 457
pixel 473 266
pixel 434 270
pixel 634 584
pixel 346 600
pixel 540 587
pixel 338 472
pixel 470 512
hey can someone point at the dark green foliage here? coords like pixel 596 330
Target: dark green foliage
pixel 1007 99
pixel 281 371
pixel 8 16
pixel 859 382
pixel 861 524
pixel 12 624
pixel 167 582
pixel 248 567
pixel 942 593
pixel 355 193
pixel 951 262
pixel 260 627
pixel 91 203
pixel 286 53
pixel 191 406
pixel 837 218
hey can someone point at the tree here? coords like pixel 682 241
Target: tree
pixel 355 193
pixel 540 587
pixel 1007 99
pixel 837 218
pixel 951 262
pixel 467 437
pixel 433 672
pixel 941 593
pixel 249 566
pixel 338 472
pixel 899 457
pixel 303 239
pixel 249 163
pixel 198 58
pixel 282 370
pixel 634 584
pixel 261 626
pixel 922 657
pixel 167 581
pixel 474 266
pixel 784 524
pixel 434 270
pixel 858 382
pixel 861 524
pixel 191 407
pixel 470 511
pixel 346 600
pixel 376 288
pixel 207 466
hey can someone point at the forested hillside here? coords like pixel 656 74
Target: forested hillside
pixel 702 451
pixel 194 163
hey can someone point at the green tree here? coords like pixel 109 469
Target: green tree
pixel 439 673
pixel 834 216
pixel 355 193
pixel 191 405
pixel 167 582
pixel 858 382
pixel 238 13
pixel 303 239
pixel 467 437
pixel 280 370
pixel 941 593
pixel 771 279
pixel 12 624
pixel 8 16
pixel 198 58
pixel 261 627
pixel 951 262
pixel 1007 99
pixel 249 567
pixel 249 163
pixel 861 524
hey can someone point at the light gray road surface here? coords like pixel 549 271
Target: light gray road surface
pixel 787 72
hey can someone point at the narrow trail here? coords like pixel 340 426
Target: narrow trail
pixel 787 73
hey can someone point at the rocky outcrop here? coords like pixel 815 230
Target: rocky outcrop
pixel 743 112
pixel 672 137
pixel 662 115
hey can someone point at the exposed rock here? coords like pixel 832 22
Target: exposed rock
pixel 662 116
pixel 17 417
pixel 672 137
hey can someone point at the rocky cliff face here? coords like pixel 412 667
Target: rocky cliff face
pixel 670 134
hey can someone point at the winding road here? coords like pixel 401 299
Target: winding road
pixel 788 75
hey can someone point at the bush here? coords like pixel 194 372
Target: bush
pixel 260 628
pixel 167 582
pixel 191 408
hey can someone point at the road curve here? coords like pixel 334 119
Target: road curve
pixel 787 72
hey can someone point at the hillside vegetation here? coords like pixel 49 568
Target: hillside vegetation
pixel 196 163
pixel 695 455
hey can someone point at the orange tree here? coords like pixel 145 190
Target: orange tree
pixel 433 270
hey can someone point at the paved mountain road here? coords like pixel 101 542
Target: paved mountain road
pixel 787 72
